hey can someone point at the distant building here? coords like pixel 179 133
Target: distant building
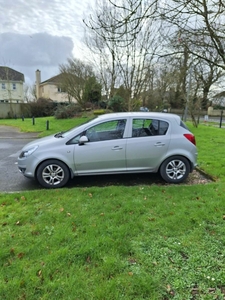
pixel 11 85
pixel 219 99
pixel 51 88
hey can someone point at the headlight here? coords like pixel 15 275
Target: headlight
pixel 28 152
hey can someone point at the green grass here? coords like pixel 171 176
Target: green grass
pixel 210 143
pixel 142 242
pixel 40 124
pixel 118 242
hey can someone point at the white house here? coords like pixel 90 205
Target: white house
pixel 11 85
pixel 50 89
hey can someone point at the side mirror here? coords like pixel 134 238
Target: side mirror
pixel 83 140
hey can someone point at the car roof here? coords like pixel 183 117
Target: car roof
pixel 140 114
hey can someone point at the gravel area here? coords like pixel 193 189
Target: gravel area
pixel 198 177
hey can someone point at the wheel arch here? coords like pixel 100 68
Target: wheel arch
pixel 180 155
pixel 56 159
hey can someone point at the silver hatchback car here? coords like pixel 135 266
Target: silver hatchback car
pixel 113 143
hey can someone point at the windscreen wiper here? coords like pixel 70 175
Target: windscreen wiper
pixel 59 134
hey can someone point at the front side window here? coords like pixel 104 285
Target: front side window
pixel 148 127
pixel 109 130
pixel 3 86
pixel 105 131
pixel 14 86
pixel 75 140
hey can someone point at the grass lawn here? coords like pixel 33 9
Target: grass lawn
pixel 40 124
pixel 117 242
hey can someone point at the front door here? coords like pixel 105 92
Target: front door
pixel 105 151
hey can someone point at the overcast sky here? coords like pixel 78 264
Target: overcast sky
pixel 41 34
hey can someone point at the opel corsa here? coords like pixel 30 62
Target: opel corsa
pixel 113 143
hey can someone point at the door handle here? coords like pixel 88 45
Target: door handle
pixel 117 148
pixel 159 144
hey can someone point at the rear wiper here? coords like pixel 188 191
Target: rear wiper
pixel 59 134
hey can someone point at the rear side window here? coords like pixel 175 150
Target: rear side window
pixel 148 127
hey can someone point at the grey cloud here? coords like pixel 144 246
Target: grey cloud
pixel 40 34
pixel 40 50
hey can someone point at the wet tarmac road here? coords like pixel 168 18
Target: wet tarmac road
pixel 11 142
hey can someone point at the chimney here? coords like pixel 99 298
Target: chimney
pixel 38 81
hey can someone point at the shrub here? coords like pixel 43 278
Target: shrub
pixel 117 103
pixel 42 108
pixel 67 111
pixel 103 104
pixel 99 112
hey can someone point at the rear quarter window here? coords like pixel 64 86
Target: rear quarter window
pixel 183 125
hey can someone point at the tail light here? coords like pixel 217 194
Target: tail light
pixel 190 137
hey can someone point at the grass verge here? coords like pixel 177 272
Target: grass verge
pixel 40 124
pixel 142 242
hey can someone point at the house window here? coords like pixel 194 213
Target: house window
pixel 3 86
pixel 61 90
pixel 14 86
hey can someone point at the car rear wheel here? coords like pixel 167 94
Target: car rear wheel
pixel 175 169
pixel 53 174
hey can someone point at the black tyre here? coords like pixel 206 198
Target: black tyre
pixel 175 169
pixel 53 174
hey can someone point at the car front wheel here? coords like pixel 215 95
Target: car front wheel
pixel 53 174
pixel 175 169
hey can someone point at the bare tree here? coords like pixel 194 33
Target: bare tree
pixel 195 52
pixel 204 73
pixel 130 18
pixel 33 92
pixel 127 61
pixel 74 76
pixel 103 45
pixel 201 18
pixel 200 69
pixel 200 22
pixel 29 93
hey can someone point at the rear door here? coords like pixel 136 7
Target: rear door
pixel 148 144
